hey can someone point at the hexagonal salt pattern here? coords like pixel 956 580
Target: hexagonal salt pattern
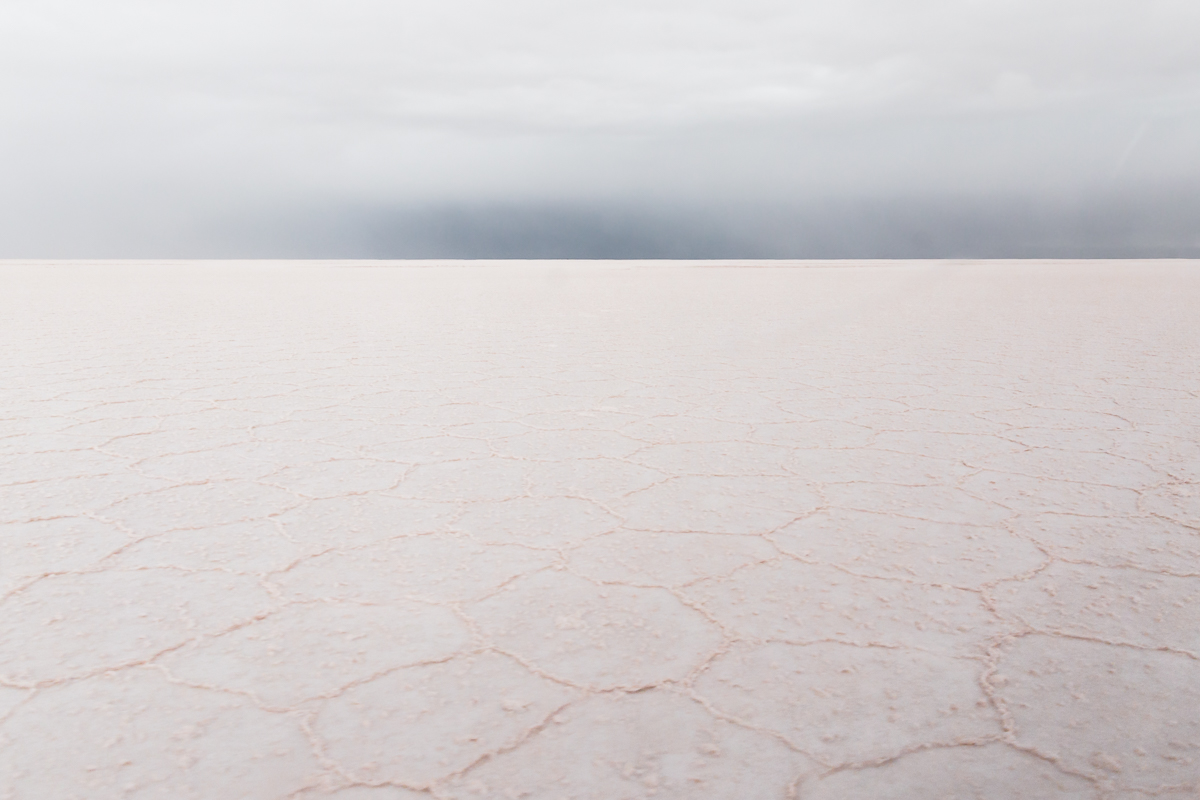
pixel 888 531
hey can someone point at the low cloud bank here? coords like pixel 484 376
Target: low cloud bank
pixel 1151 224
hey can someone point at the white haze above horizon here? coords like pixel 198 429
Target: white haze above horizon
pixel 367 128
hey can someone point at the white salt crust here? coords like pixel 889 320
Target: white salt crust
pixel 374 531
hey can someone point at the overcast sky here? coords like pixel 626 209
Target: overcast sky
pixel 365 128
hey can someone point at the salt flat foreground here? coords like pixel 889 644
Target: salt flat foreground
pixel 911 530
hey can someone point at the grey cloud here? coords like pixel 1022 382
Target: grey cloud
pixel 1159 224
pixel 705 128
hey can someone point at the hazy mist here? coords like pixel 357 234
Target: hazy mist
pixel 368 129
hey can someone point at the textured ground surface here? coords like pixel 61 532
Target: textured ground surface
pixel 921 530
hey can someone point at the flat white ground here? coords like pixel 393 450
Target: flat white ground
pixel 909 530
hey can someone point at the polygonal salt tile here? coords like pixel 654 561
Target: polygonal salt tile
pixel 944 504
pixel 314 649
pixel 1026 495
pixel 98 430
pixel 583 387
pixel 1179 502
pixel 604 480
pixel 17 440
pixel 363 520
pixel 231 461
pixel 597 636
pixel 70 625
pixel 683 428
pixel 362 793
pixel 637 398
pixel 210 384
pixel 846 704
pixel 845 400
pixel 1100 469
pixel 886 546
pixel 485 431
pixel 1145 542
pixel 71 497
pixel 565 445
pixel 431 448
pixel 161 443
pixel 437 568
pixel 962 446
pixel 875 466
pixel 1071 440
pixel 574 420
pixel 814 434
pixel 380 433
pixel 199 505
pixel 931 421
pixel 252 415
pixel 1118 605
pixel 518 389
pixel 59 464
pixel 302 431
pixel 416 725
pixel 245 547
pixel 650 744
pixel 466 480
pixel 443 414
pixel 1127 717
pixel 287 453
pixel 715 458
pixel 338 477
pixel 1178 456
pixel 32 549
pixel 970 772
pixel 1064 418
pixel 803 603
pixel 134 734
pixel 741 505
pixel 535 522
pixel 647 558
pixel 751 399
pixel 11 698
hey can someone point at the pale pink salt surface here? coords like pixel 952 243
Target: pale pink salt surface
pixel 600 530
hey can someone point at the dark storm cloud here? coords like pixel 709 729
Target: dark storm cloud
pixel 756 129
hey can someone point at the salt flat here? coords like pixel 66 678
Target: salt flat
pixel 600 530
